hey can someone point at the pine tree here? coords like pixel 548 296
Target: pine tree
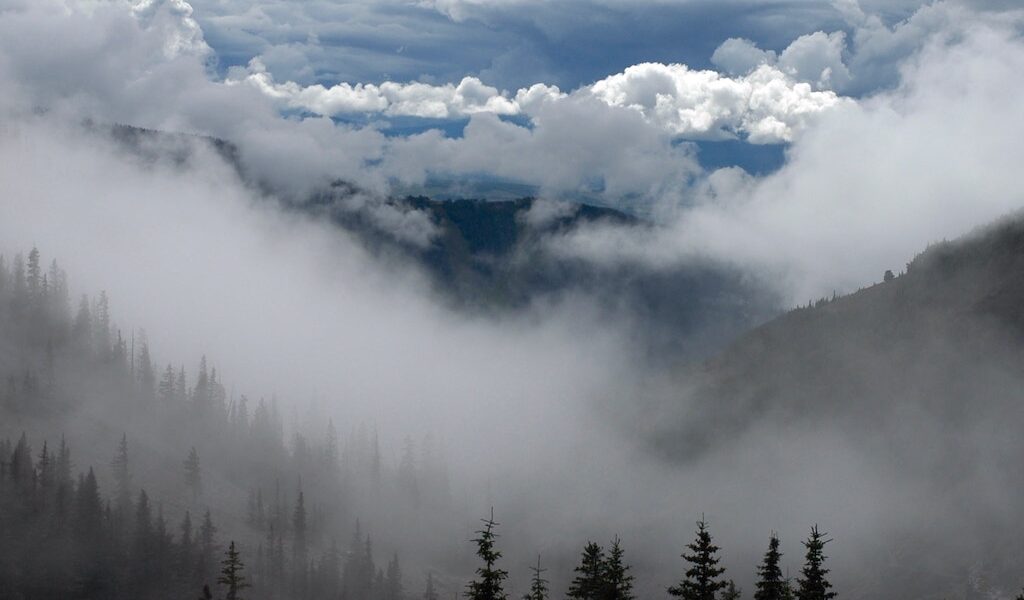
pixel 814 585
pixel 231 574
pixel 731 592
pixel 618 583
pixel 701 581
pixel 186 549
pixel 34 272
pixel 488 585
pixel 538 585
pixel 122 476
pixel 394 589
pixel 146 374
pixel 589 581
pixel 193 474
pixel 770 583
pixel 299 548
pixel 430 593
pixel 166 391
pixel 207 547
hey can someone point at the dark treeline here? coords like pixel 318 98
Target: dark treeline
pixel 208 497
pixel 151 516
pixel 602 575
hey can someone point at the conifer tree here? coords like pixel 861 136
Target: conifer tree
pixel 430 593
pixel 207 547
pixel 122 475
pixel 299 548
pixel 394 590
pixel 589 582
pixel 814 585
pixel 146 374
pixel 770 583
pixel 538 585
pixel 231 575
pixel 731 592
pixel 193 474
pixel 702 578
pixel 489 583
pixel 165 390
pixel 186 548
pixel 618 583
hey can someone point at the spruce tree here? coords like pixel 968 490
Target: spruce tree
pixel 618 583
pixel 731 592
pixel 488 585
pixel 122 475
pixel 538 585
pixel 193 474
pixel 394 590
pixel 814 585
pixel 430 593
pixel 770 583
pixel 589 582
pixel 231 574
pixel 702 578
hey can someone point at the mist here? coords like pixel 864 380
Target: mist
pixel 555 413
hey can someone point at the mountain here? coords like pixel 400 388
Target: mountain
pixel 946 331
pixel 918 381
pixel 493 256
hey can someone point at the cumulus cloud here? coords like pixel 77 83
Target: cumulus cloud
pixel 739 56
pixel 413 99
pixel 765 105
pixel 815 58
pixel 768 105
pixel 870 185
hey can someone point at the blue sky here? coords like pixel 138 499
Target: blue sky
pixel 507 44
pixel 840 115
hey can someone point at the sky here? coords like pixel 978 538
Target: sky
pixel 811 144
pixel 748 132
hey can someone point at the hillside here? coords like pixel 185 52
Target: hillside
pixel 920 377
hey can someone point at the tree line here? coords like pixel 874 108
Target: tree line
pixel 604 575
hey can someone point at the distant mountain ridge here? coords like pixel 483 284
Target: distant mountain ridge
pixel 491 256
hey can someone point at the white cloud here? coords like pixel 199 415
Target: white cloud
pixel 817 58
pixel 739 56
pixel 389 98
pixel 868 186
pixel 766 104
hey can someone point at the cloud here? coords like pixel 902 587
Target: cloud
pixel 739 56
pixel 868 186
pixel 413 99
pixel 817 58
pixel 767 105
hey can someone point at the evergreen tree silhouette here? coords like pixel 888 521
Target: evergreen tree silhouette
pixel 731 592
pixel 538 585
pixel 770 583
pixel 193 474
pixel 231 574
pixel 589 582
pixel 701 581
pixel 618 583
pixel 814 585
pixel 488 585
pixel 430 593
